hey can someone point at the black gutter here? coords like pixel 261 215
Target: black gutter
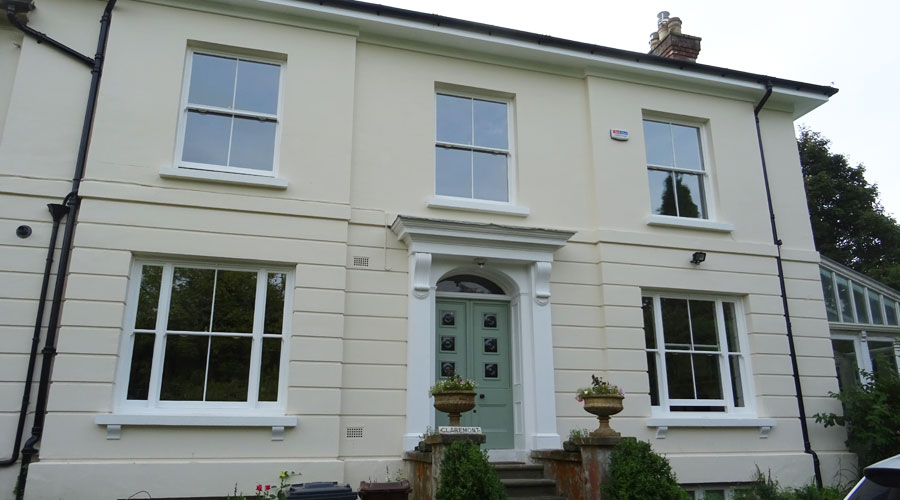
pixel 57 212
pixel 562 43
pixel 804 430
pixel 73 202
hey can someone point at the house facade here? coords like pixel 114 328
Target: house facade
pixel 295 216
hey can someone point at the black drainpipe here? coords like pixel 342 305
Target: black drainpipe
pixel 784 301
pixel 57 211
pixel 72 201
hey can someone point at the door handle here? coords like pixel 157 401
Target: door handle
pixel 481 396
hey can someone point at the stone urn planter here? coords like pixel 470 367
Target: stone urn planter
pixel 454 403
pixel 454 396
pixel 603 406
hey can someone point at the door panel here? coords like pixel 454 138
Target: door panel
pixel 473 340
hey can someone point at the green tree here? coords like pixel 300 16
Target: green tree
pixel 849 224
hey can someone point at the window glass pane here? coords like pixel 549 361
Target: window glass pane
pixel 649 323
pixel 257 87
pixel 206 138
pixel 467 283
pixel 658 144
pixel 141 362
pixel 731 330
pixel 709 380
pixel 453 176
pixel 490 124
pixel 454 119
pixel 881 352
pixel 275 288
pixel 690 196
pixel 679 376
pixel 714 495
pixel 235 301
pixel 845 362
pixel 148 298
pixel 687 147
pixel 845 298
pixel 828 292
pixel 875 306
pixel 703 325
pixel 676 329
pixel 662 197
pixel 253 144
pixel 184 368
pixel 229 369
pixel 268 372
pixel 212 80
pixel 191 304
pixel 490 177
pixel 862 309
pixel 890 311
pixel 654 378
pixel 737 385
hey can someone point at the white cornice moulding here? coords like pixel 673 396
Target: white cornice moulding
pixel 477 239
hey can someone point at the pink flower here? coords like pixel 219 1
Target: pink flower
pixel 258 487
pixel 268 487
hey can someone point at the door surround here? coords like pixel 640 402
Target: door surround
pixel 519 259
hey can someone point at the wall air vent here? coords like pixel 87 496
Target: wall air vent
pixel 354 432
pixel 360 261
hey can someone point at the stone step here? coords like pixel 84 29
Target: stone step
pixel 529 488
pixel 519 471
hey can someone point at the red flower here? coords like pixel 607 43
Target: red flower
pixel 268 487
pixel 258 487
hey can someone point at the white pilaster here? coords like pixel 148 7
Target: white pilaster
pixel 420 348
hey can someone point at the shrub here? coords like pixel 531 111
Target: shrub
pixel 467 475
pixel 763 487
pixel 637 473
pixel 871 416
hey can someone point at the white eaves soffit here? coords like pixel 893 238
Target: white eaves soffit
pixel 475 239
pixel 369 25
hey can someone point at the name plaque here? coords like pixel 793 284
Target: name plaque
pixel 446 429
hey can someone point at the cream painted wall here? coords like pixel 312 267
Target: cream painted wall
pixel 357 149
pixel 10 45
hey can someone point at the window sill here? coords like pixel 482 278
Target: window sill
pixel 224 177
pixel 663 424
pixel 682 222
pixel 115 421
pixel 469 205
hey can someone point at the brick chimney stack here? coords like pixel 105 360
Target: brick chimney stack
pixel 668 41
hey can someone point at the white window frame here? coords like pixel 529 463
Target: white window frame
pixel 153 405
pixel 708 222
pixel 861 347
pixel 730 410
pixel 472 203
pixel 186 107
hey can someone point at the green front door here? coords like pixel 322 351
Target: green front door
pixel 473 341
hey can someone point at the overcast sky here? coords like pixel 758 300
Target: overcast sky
pixel 850 45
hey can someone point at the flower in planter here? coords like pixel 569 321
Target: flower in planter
pixel 599 387
pixel 267 491
pixel 452 383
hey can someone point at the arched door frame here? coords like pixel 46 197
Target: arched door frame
pixel 519 260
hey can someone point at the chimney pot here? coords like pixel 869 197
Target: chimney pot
pixel 670 42
pixel 675 25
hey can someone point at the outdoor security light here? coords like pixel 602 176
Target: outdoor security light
pixel 698 257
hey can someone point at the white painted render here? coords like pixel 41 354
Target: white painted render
pixel 357 150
